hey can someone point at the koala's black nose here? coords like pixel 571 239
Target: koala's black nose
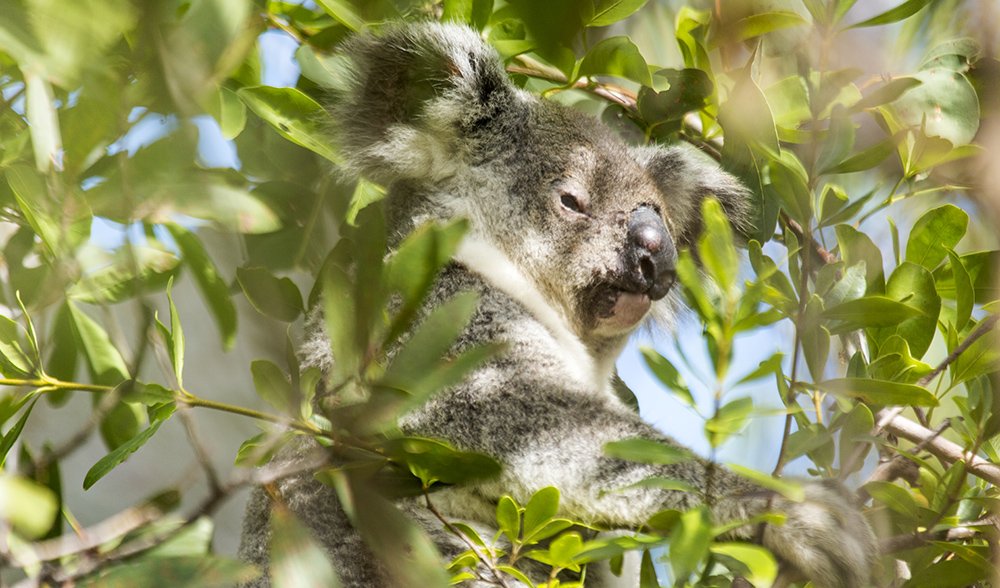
pixel 652 255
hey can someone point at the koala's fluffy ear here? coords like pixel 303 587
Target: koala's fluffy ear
pixel 685 177
pixel 414 91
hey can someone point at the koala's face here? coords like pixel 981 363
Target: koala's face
pixel 593 224
pixel 582 217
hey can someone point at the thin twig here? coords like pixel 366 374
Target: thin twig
pixel 472 546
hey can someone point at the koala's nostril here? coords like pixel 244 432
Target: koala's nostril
pixel 652 258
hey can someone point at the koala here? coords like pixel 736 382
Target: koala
pixel 572 245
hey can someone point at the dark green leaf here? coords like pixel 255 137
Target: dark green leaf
pixel 608 12
pixel 13 360
pixel 509 518
pixel 435 461
pixel 914 285
pixel 273 386
pixel 7 439
pixel 865 159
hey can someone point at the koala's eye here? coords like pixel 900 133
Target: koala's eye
pixel 572 203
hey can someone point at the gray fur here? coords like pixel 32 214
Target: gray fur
pixel 431 114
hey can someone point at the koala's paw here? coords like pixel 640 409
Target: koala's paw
pixel 825 538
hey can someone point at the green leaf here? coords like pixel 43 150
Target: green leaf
pixel 278 298
pixel 435 461
pixel 134 271
pixel 667 374
pixel 761 565
pixel 28 507
pixel 509 518
pixel 293 114
pixel 213 288
pixel 792 191
pixel 616 56
pixel 895 497
pixel 886 93
pixel 13 360
pixel 759 24
pixel 914 285
pixel 297 561
pixel 429 343
pixel 273 386
pixel 7 439
pixel 903 11
pixel 870 311
pixel 865 159
pixel 944 105
pixel 647 451
pixel 839 140
pixel 105 362
pixel 232 114
pixel 176 340
pixel 856 247
pixel 365 193
pixel 123 451
pixel 716 246
pixel 880 391
pixel 608 12
pixel 728 420
pixel 935 232
pixel 964 294
pixel 344 12
pixel 146 393
pixel 746 117
pixel 541 508
pixel 815 338
pixel 689 542
pixel 190 571
pixel 43 122
pixel 789 489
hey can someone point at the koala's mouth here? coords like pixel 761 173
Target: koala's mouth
pixel 616 308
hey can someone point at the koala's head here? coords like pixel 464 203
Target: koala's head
pixel 593 223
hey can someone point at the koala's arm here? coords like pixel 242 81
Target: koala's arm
pixel 554 437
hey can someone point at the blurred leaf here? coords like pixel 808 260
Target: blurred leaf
pixel 232 116
pixel 59 227
pixel 789 489
pixel 758 24
pixel 815 338
pixel 213 288
pixel 746 117
pixel 192 571
pixel 880 392
pixel 866 159
pixel 759 562
pixel 43 122
pixel 728 420
pixel 716 245
pixel 903 11
pixel 135 270
pixel 293 114
pixel 839 142
pixel 895 497
pixel 792 191
pixel 955 54
pixel 647 451
pixel 888 92
pixel 273 386
pixel 668 375
pixel 28 507
pixel 365 193
pixel 344 12
pixel 616 56
pixel 689 542
pixel 475 13
pixel 278 298
pixel 934 233
pixel 123 451
pixel 297 561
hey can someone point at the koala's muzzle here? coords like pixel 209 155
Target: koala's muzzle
pixel 651 258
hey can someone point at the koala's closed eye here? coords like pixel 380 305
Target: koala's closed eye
pixel 573 203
